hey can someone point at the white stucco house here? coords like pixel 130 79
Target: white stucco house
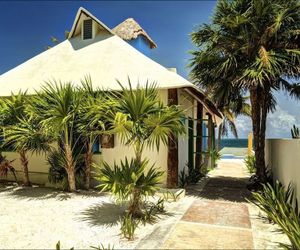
pixel 107 54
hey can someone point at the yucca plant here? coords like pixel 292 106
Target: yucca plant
pixel 57 107
pixel 129 182
pixel 295 132
pixel 92 121
pixel 20 131
pixel 281 207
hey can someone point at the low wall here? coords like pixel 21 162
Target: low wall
pixel 283 157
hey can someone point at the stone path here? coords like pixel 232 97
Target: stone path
pixel 219 218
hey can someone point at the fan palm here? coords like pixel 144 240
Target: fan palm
pixel 142 120
pixel 254 45
pixel 57 107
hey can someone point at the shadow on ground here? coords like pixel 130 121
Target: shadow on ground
pixel 102 214
pixel 39 193
pixel 224 188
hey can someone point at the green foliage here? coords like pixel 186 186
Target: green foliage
pixel 295 132
pixel 183 180
pixel 142 120
pixel 281 207
pixel 102 247
pixel 128 226
pixel 250 163
pixel 58 247
pixel 129 181
pixel 57 172
pixel 215 156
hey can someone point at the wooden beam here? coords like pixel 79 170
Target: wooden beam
pixel 198 160
pixel 172 175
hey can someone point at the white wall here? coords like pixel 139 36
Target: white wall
pixel 283 157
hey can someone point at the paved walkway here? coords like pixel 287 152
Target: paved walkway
pixel 219 218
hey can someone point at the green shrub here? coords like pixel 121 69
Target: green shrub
pixel 280 206
pixel 215 156
pixel 128 226
pixel 129 182
pixel 250 163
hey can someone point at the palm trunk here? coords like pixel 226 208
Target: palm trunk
pixel 219 137
pixel 24 163
pixel 88 163
pixel 259 115
pixel 70 168
pixel 134 207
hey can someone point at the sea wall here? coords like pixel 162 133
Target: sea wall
pixel 283 157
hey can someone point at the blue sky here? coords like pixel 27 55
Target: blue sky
pixel 27 27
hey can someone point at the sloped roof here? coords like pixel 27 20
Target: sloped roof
pixel 130 29
pixel 106 58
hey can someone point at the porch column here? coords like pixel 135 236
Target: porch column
pixel 199 134
pixel 210 143
pixel 172 175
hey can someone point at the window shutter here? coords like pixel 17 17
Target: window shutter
pixel 107 141
pixel 87 29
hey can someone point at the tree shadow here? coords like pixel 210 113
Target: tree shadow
pixel 39 193
pixel 224 188
pixel 102 214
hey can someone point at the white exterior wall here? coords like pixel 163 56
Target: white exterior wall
pixel 283 157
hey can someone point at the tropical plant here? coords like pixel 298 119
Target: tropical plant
pixel 20 131
pixel 278 205
pixel 57 172
pixel 128 226
pixel 215 156
pixel 92 121
pixel 129 182
pixel 57 107
pixel 250 46
pixel 6 167
pixel 250 163
pixel 295 132
pixel 142 120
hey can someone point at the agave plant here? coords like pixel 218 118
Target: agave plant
pixel 129 182
pixel 295 132
pixel 281 207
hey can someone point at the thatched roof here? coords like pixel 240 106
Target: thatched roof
pixel 130 29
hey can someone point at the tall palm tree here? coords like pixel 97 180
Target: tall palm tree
pixel 92 121
pixel 57 107
pixel 12 113
pixel 255 45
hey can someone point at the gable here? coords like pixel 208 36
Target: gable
pixel 78 24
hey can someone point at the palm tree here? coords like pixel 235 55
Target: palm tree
pixel 92 121
pixel 230 113
pixel 254 45
pixel 13 112
pixel 25 136
pixel 57 108
pixel 142 120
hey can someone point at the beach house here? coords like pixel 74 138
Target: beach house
pixel 107 55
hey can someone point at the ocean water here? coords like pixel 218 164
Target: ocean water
pixel 234 143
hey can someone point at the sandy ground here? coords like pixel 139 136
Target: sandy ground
pixel 36 218
pixel 39 217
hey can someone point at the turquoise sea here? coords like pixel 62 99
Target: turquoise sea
pixel 234 143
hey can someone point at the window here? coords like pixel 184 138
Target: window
pixel 87 29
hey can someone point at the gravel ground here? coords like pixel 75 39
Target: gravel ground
pixel 39 217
